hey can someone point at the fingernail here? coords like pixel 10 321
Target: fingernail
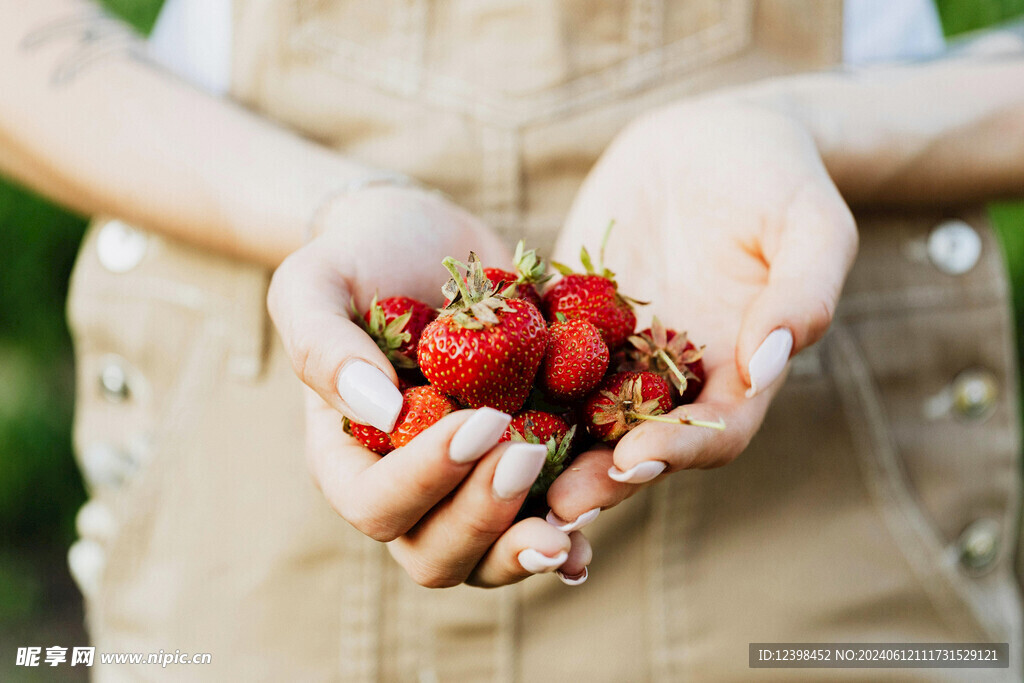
pixel 371 396
pixel 478 435
pixel 518 468
pixel 638 474
pixel 574 580
pixel 769 360
pixel 537 562
pixel 578 523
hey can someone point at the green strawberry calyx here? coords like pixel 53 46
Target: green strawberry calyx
pixel 556 460
pixel 601 270
pixel 475 300
pixel 530 267
pixel 389 336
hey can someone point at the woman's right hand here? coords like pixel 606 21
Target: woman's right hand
pixel 445 503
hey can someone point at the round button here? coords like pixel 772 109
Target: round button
pixel 114 381
pixel 106 465
pixel 975 393
pixel 120 247
pixel 86 560
pixel 954 247
pixel 979 545
pixel 95 521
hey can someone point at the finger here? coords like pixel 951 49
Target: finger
pixel 529 547
pixel 583 489
pixel 448 542
pixel 574 571
pixel 806 270
pixel 655 448
pixel 309 304
pixel 386 496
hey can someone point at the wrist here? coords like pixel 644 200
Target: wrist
pixel 318 218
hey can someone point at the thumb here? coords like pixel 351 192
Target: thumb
pixel 806 269
pixel 309 303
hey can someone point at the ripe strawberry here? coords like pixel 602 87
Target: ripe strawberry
pixel 593 296
pixel 535 426
pixel 575 360
pixel 623 400
pixel 668 354
pixel 396 324
pixel 421 407
pixel 484 349
pixel 377 441
pixel 513 289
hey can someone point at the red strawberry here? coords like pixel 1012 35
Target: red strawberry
pixel 668 354
pixel 593 296
pixel 535 423
pixel 513 289
pixel 484 349
pixel 396 324
pixel 535 426
pixel 623 400
pixel 377 441
pixel 575 360
pixel 421 407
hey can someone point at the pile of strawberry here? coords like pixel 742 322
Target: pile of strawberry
pixel 568 366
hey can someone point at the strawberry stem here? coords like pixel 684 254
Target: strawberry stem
pixel 452 266
pixel 673 368
pixel 604 241
pixel 718 425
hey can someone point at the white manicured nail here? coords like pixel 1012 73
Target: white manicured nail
pixel 574 580
pixel 537 562
pixel 638 474
pixel 518 468
pixel 371 396
pixel 769 360
pixel 578 523
pixel 478 434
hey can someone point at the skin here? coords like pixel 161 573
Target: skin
pixel 751 180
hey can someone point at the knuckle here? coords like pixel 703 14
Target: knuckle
pixel 483 528
pixel 817 318
pixel 431 575
pixel 369 523
pixel 304 355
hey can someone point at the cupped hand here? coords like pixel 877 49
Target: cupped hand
pixel 446 502
pixel 727 221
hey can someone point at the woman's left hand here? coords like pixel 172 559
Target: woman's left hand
pixel 726 220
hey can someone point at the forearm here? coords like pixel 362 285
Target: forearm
pixel 940 132
pixel 118 136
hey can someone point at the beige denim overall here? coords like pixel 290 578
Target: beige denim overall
pixel 878 503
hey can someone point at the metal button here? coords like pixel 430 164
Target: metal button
pixel 975 392
pixel 95 521
pixel 120 247
pixel 954 247
pixel 114 381
pixel 979 545
pixel 104 464
pixel 86 560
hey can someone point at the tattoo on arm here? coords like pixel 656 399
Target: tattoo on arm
pixel 92 36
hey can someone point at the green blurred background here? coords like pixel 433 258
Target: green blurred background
pixel 40 488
